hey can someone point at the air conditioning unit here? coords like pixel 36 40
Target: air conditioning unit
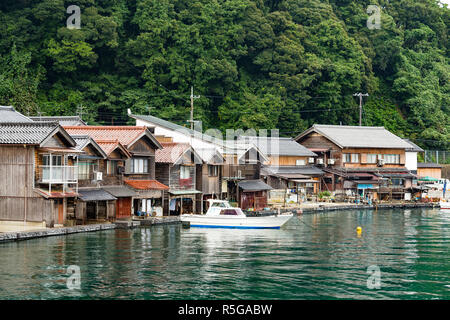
pixel 380 162
pixel 311 160
pixel 99 176
pixel 319 161
pixel 330 161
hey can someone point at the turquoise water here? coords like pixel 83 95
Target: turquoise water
pixel 318 256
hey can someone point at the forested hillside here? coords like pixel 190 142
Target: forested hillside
pixel 255 63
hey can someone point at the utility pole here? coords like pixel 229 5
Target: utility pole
pixel 360 95
pixel 80 111
pixel 192 107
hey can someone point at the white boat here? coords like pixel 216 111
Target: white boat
pixel 445 205
pixel 222 215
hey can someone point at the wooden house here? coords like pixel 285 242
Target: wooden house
pixel 366 161
pixel 176 166
pixel 39 171
pixel 289 169
pixel 128 172
pixel 429 169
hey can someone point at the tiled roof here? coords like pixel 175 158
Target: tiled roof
pixel 9 114
pixel 277 146
pixel 26 132
pixel 126 135
pixel 171 152
pixel 292 170
pixel 428 165
pixel 108 146
pixel 62 120
pixel 254 185
pixel 84 140
pixel 146 185
pixel 414 147
pixel 358 137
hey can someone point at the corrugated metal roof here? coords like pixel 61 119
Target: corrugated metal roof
pixel 278 146
pixel 146 185
pixel 119 191
pixel 9 114
pixel 254 185
pixel 303 170
pixel 358 137
pixel 95 195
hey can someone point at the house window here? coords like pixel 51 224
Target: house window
pixel 184 172
pixel 397 182
pixel 371 158
pixel 351 157
pixel 84 170
pixel 213 171
pixel 111 167
pixel 300 162
pixel 56 160
pixel 139 165
pixel 392 158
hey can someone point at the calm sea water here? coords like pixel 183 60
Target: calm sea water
pixel 318 256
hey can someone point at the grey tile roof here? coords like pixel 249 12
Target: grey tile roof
pixel 290 170
pixel 9 114
pixel 358 137
pixel 95 195
pixel 26 132
pixel 414 147
pixel 254 185
pixel 278 146
pixel 62 120
pixel 83 140
pixel 428 165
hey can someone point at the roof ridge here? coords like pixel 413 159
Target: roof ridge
pixel 106 127
pixel 316 125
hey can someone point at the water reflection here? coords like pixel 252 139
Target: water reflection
pixel 318 256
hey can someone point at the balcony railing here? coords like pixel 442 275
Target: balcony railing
pixel 58 174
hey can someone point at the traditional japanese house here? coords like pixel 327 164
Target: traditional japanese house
pixel 209 176
pixel 289 170
pixel 364 161
pixel 176 167
pixel 429 169
pixel 38 171
pixel 130 167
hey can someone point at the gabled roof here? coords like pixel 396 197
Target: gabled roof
pixel 278 146
pixel 109 146
pixel 62 120
pixel 83 141
pixel 9 114
pixel 32 133
pixel 126 135
pixel 210 155
pixel 172 152
pixel 414 147
pixel 357 137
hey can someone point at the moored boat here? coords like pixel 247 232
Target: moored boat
pixel 222 215
pixel 445 205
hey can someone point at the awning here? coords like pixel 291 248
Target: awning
pixel 253 185
pixel 366 186
pixel 56 194
pixel 146 185
pixel 120 191
pixel 95 195
pixel 184 192
pixel 61 150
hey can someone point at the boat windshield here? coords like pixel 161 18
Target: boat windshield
pixel 220 205
pixel 229 212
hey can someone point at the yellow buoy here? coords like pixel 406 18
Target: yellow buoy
pixel 358 230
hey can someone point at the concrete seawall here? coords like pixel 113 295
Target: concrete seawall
pixel 40 233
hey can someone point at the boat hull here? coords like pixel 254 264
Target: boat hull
pixel 270 222
pixel 445 205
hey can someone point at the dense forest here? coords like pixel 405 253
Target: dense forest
pixel 254 63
